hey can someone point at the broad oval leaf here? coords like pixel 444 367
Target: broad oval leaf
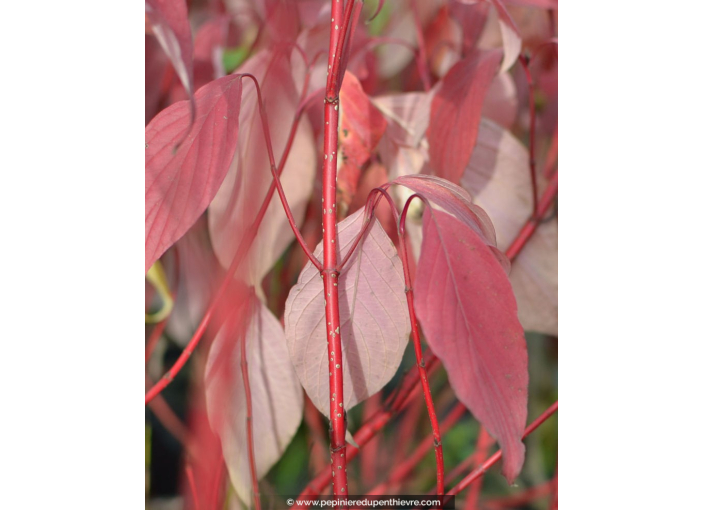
pixel 373 316
pixel 498 177
pixel 181 185
pixel 456 111
pixel 277 396
pixel 466 307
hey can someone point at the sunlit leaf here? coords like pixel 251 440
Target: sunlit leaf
pixel 466 307
pixel 277 396
pixel 456 111
pixel 373 316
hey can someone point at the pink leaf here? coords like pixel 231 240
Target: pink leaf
pixel 277 397
pixel 466 307
pixel 456 111
pixel 373 314
pixel 409 113
pixel 238 200
pixel 181 184
pixel 169 20
pixel 498 177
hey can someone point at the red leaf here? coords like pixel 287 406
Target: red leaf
pixel 466 307
pixel 373 317
pixel 277 396
pixel 180 185
pixel 169 20
pixel 456 111
pixel 361 128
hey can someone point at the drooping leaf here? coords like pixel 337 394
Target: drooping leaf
pixel 456 111
pixel 498 177
pixel 466 307
pixel 454 200
pixel 361 127
pixel 277 396
pixel 180 183
pixel 373 316
pixel 244 188
pixel 169 21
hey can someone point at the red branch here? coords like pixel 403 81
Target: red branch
pixel 439 465
pixel 484 441
pixel 531 144
pixel 398 400
pixel 532 224
pixel 484 466
pixel 402 470
pixel 339 27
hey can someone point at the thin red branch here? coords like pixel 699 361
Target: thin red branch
pixel 531 144
pixel 329 273
pixel 484 466
pixel 402 470
pixel 398 400
pixel 250 431
pixel 484 441
pixel 532 224
pixel 439 464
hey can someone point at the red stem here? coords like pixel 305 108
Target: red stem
pixel 399 399
pixel 532 224
pixel 329 272
pixel 402 470
pixel 531 145
pixel 250 431
pixel 482 468
pixel 439 464
pixel 484 441
pixel 242 250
